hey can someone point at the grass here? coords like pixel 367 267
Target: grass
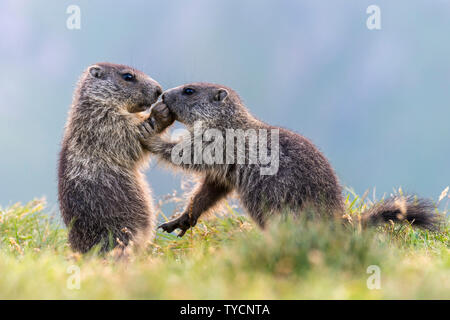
pixel 227 257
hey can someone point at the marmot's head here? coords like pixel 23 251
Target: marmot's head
pixel 115 85
pixel 213 104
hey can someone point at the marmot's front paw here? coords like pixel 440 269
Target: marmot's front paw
pixel 161 117
pixel 146 130
pixel 183 223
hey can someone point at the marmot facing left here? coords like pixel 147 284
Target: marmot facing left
pixel 103 196
pixel 304 178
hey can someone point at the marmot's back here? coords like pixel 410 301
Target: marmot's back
pixel 304 178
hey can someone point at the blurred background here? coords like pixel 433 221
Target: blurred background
pixel 376 102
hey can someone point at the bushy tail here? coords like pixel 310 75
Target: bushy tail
pixel 418 212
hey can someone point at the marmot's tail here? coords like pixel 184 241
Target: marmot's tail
pixel 418 212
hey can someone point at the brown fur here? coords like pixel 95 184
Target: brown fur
pixel 103 196
pixel 304 179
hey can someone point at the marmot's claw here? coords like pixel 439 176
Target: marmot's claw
pixel 180 223
pixel 146 129
pixel 149 124
pixel 182 232
pixel 168 226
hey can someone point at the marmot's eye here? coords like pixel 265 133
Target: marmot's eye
pixel 128 77
pixel 188 91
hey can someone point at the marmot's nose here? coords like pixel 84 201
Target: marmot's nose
pixel 164 97
pixel 158 91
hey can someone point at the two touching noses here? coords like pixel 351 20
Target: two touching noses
pixel 159 92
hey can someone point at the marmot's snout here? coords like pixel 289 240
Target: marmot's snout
pixel 166 100
pixel 152 90
pixel 150 95
pixel 158 91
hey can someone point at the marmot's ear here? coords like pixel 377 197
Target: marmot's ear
pixel 221 94
pixel 96 72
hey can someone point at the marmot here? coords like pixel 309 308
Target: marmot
pixel 103 196
pixel 304 177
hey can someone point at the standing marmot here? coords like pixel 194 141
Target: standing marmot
pixel 104 198
pixel 304 176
